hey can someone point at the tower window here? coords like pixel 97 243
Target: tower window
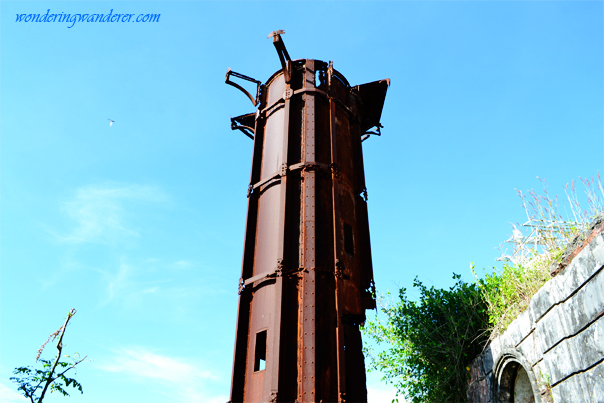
pixel 260 351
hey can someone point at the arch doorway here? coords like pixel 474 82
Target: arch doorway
pixel 523 391
pixel 514 383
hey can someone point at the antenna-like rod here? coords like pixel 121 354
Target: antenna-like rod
pixel 282 52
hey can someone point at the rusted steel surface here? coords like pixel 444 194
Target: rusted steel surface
pixel 306 276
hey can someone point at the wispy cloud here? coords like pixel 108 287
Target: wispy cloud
pixel 8 395
pixel 99 212
pixel 174 376
pixel 142 363
pixel 118 282
pixel 138 284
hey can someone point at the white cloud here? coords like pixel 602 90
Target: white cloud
pixel 117 283
pixel 175 376
pixel 9 395
pixel 140 362
pixel 100 214
pixel 131 283
pixel 135 284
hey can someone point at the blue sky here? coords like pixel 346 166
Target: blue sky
pixel 139 226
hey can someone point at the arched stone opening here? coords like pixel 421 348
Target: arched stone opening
pixel 523 391
pixel 514 384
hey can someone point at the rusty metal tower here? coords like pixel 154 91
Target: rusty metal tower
pixel 306 277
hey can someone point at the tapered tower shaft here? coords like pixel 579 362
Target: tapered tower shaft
pixel 307 276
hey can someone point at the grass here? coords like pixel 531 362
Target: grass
pixel 537 250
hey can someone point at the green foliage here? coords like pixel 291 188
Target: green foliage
pixel 432 341
pixel 34 383
pixel 31 380
pixel 508 292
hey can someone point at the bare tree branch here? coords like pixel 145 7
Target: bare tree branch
pixel 50 379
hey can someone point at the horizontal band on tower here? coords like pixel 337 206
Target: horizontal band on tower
pixel 314 91
pixel 304 166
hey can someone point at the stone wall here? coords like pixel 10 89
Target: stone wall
pixel 554 350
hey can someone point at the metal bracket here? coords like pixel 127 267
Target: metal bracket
pixel 377 132
pixel 283 169
pixel 339 270
pixel 335 170
pixel 255 100
pixel 253 187
pixel 244 123
pixel 244 284
pixel 296 273
pixel 309 166
pixel 282 52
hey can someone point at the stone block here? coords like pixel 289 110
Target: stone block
pixel 594 381
pixel 472 393
pixel 572 390
pixel 551 329
pixel 576 274
pixel 543 300
pixel 490 379
pixel 476 369
pixel 560 362
pixel 585 306
pixel 478 392
pixel 495 349
pixel 597 250
pixel 593 302
pixel 519 328
pixel 577 318
pixel 487 360
pixel 541 376
pixel 528 350
pixel 588 346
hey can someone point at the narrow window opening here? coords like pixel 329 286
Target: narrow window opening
pixel 348 239
pixel 320 79
pixel 260 351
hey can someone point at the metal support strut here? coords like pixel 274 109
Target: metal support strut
pixel 282 52
pixel 255 99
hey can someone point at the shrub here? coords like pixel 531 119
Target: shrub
pixel 507 293
pixel 432 341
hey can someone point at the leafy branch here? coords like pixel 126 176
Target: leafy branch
pixel 52 375
pixel 431 341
